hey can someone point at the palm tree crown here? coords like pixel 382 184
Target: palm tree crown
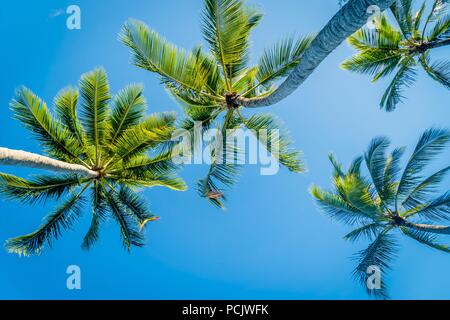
pixel 389 200
pixel 387 49
pixel 207 84
pixel 112 137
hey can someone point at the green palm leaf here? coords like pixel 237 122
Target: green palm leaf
pixel 62 219
pixel 267 130
pixel 129 107
pixel 66 105
pixel 425 238
pixel 430 144
pixel 94 90
pixel 278 61
pixel 379 253
pixel 393 94
pixel 55 137
pixel 99 214
pixel 40 188
pixel 226 28
pixel 129 228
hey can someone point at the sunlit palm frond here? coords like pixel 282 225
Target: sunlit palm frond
pixel 279 60
pixel 66 103
pixel 226 27
pixel 94 90
pixel 176 67
pixel 339 209
pixel 54 136
pixel 129 107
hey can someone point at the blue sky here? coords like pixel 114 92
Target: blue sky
pixel 272 242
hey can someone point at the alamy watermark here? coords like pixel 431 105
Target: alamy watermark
pixel 73 281
pixel 233 146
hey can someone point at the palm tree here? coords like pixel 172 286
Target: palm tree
pixel 207 84
pixel 389 200
pixel 351 17
pixel 399 51
pixel 114 139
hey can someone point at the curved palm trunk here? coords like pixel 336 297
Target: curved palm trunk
pixel 27 159
pixel 428 227
pixel 347 21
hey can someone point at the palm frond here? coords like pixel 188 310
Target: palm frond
pixel 226 27
pixel 267 130
pixel 379 253
pixel 402 11
pixel 40 188
pixel 425 238
pixel 425 189
pixel 391 172
pixel 129 107
pixel 430 144
pixel 66 106
pixel 441 29
pixel 129 228
pixel 176 67
pixel 438 71
pixel 404 77
pixel 94 90
pixel 438 209
pixel 279 60
pixel 368 231
pixel 62 219
pixel 153 131
pixel 135 204
pixel 376 162
pixel 223 171
pixel 55 137
pixel 339 209
pixel 99 213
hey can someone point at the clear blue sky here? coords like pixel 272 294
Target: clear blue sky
pixel 271 243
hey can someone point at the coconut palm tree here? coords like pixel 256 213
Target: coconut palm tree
pixel 110 137
pixel 389 201
pixel 207 84
pixel 399 51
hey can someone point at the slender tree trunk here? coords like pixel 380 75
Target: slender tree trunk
pixel 347 21
pixel 428 227
pixel 27 159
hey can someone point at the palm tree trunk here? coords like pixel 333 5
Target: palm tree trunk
pixel 428 227
pixel 27 159
pixel 347 21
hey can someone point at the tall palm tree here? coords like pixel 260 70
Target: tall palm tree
pixel 207 84
pixel 114 139
pixel 351 17
pixel 400 50
pixel 389 200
